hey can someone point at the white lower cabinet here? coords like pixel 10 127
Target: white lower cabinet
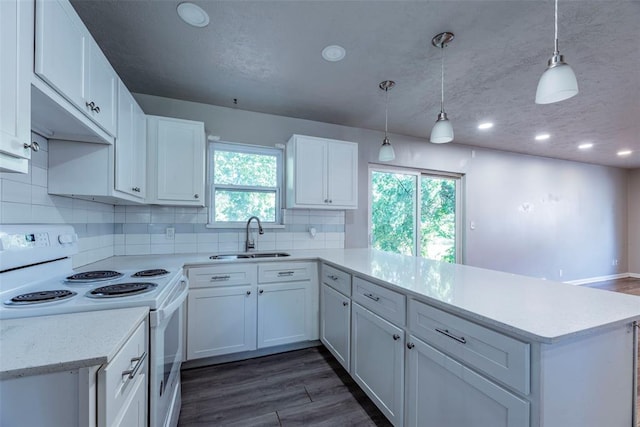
pixel 335 323
pixel 221 320
pixel 377 361
pixel 443 392
pixel 283 313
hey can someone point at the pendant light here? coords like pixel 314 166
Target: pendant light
pixel 558 82
pixel 442 131
pixel 386 152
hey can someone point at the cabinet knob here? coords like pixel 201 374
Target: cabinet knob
pixel 97 109
pixel 248 292
pixel 345 303
pixel 195 196
pixel 410 345
pixel 34 146
pixel 396 337
pixel 261 291
pixel 326 200
pixel 91 105
pixel 330 201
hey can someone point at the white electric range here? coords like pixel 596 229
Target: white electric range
pixel 37 279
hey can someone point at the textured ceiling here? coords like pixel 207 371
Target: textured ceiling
pixel 267 55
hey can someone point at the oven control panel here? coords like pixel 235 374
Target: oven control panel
pixel 27 244
pixel 20 241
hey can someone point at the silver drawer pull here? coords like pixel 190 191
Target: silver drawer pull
pixel 450 335
pixel 139 361
pixel 332 277
pixel 345 303
pixel 396 337
pixel 372 296
pixel 285 273
pixel 410 345
pixel 227 277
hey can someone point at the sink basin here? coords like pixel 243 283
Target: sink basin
pixel 246 255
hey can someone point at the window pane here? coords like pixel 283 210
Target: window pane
pixel 438 218
pixel 241 205
pixel 236 168
pixel 393 197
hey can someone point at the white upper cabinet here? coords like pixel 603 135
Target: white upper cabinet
pixel 176 161
pixel 130 146
pixel 70 61
pixel 16 39
pixel 321 173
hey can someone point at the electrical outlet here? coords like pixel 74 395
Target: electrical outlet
pixel 560 273
pixel 614 262
pixel 170 233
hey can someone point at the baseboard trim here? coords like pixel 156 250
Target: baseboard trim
pixel 602 278
pixel 635 275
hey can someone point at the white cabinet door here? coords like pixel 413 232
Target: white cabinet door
pixel 442 392
pixel 176 161
pixel 377 361
pixel 61 40
pixel 134 413
pixel 284 313
pixel 16 37
pixel 130 146
pixel 221 321
pixel 335 324
pixel 321 173
pixel 101 86
pixel 342 170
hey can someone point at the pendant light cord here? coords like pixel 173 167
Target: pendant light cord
pixel 556 51
pixel 442 80
pixel 386 109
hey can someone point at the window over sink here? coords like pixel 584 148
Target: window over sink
pixel 245 181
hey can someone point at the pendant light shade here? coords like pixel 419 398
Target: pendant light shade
pixel 386 153
pixel 442 131
pixel 558 82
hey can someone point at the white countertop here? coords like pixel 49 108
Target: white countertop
pixel 41 345
pixel 534 309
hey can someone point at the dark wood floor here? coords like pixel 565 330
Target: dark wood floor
pixel 631 286
pixel 299 388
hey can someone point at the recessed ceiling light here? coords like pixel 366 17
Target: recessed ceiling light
pixel 624 152
pixel 585 146
pixel 333 53
pixel 542 136
pixel 485 125
pixel 193 14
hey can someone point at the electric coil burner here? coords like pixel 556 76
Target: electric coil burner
pixel 40 297
pixel 156 272
pixel 94 276
pixel 122 290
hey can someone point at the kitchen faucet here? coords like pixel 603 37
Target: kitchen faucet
pixel 250 244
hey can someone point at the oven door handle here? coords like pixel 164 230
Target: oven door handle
pixel 156 317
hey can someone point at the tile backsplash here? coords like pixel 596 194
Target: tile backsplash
pixel 105 230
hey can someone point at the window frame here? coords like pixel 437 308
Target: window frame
pixel 418 173
pixel 212 187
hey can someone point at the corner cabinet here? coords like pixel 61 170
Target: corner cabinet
pixel 176 154
pixel 321 173
pixel 16 41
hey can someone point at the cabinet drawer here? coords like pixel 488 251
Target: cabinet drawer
pixel 222 275
pixel 276 272
pixel 501 357
pixel 117 380
pixel 380 300
pixel 337 279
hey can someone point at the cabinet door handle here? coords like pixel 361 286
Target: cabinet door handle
pixel 345 303
pixel 332 277
pixel 248 292
pixel 220 278
pixel 34 146
pixel 195 196
pixel 372 296
pixel 450 335
pixel 91 105
pixel 285 273
pixel 261 291
pixel 139 361
pixel 396 337
pixel 410 345
pixel 326 200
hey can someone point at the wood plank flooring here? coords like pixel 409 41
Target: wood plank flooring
pixel 299 388
pixel 630 286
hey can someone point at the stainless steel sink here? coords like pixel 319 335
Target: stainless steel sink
pixel 245 255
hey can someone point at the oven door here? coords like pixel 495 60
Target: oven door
pixel 166 342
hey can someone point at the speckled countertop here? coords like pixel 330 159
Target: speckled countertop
pixel 535 309
pixel 41 345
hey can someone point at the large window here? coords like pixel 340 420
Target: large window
pixel 415 213
pixel 245 181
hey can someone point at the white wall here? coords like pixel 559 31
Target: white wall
pixel 634 221
pixel 533 216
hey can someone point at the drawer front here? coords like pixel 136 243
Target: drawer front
pixel 337 279
pixel 501 357
pixel 380 300
pixel 118 378
pixel 276 272
pixel 222 275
